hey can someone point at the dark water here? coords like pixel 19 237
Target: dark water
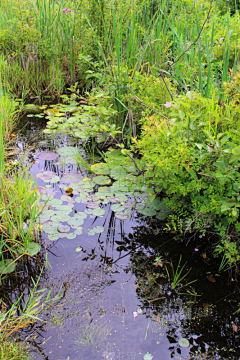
pixel 115 276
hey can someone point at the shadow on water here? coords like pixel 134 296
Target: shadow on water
pixel 118 302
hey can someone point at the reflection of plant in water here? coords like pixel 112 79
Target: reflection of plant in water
pixel 93 335
pixel 191 292
pixel 149 282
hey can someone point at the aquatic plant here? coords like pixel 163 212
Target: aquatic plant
pixel 177 279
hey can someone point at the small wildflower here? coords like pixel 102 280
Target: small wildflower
pixel 127 86
pixel 135 314
pixel 167 105
pixel 200 236
pixel 98 116
pixel 67 10
pixel 196 249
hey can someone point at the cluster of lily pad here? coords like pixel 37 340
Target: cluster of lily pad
pixel 82 121
pixel 113 182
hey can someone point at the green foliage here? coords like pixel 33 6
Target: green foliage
pixel 12 351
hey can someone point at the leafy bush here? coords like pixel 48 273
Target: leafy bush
pixel 191 153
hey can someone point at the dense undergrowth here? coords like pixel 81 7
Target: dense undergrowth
pixel 164 73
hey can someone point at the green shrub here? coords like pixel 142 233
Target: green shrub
pixel 192 158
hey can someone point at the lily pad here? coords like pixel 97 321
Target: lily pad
pixel 78 231
pixel 80 215
pixel 98 211
pixel 55 179
pixel 118 173
pixel 53 237
pixel 33 248
pixel 81 199
pixel 44 218
pixel 64 208
pixel 140 206
pixel 45 175
pixel 114 200
pixel 92 205
pixel 63 228
pixel 122 216
pixel 68 151
pixel 55 202
pixel 60 218
pixel 117 208
pixel 47 197
pixel 98 229
pixel 100 169
pixel 183 342
pixel 102 180
pixel 91 232
pixel 71 236
pixel 49 229
pixel 147 356
pixel 7 266
pixel 78 249
pixel 75 222
pixel 48 156
pixel 88 211
pixel 71 178
pixel 67 198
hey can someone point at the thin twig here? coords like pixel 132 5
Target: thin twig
pixel 200 33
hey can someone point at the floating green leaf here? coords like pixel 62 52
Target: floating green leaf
pixel 147 356
pixel 68 151
pixel 118 173
pixel 91 232
pixel 55 179
pixel 81 199
pixel 117 208
pixel 98 211
pixel 102 180
pixel 75 222
pixel 183 342
pixel 44 218
pixel 71 236
pixel 60 217
pixel 78 231
pixel 88 211
pixel 47 197
pixel 78 249
pixel 53 237
pixel 55 202
pixel 100 169
pixel 140 206
pixel 49 229
pixel 98 229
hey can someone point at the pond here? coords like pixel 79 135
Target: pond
pixel 119 298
